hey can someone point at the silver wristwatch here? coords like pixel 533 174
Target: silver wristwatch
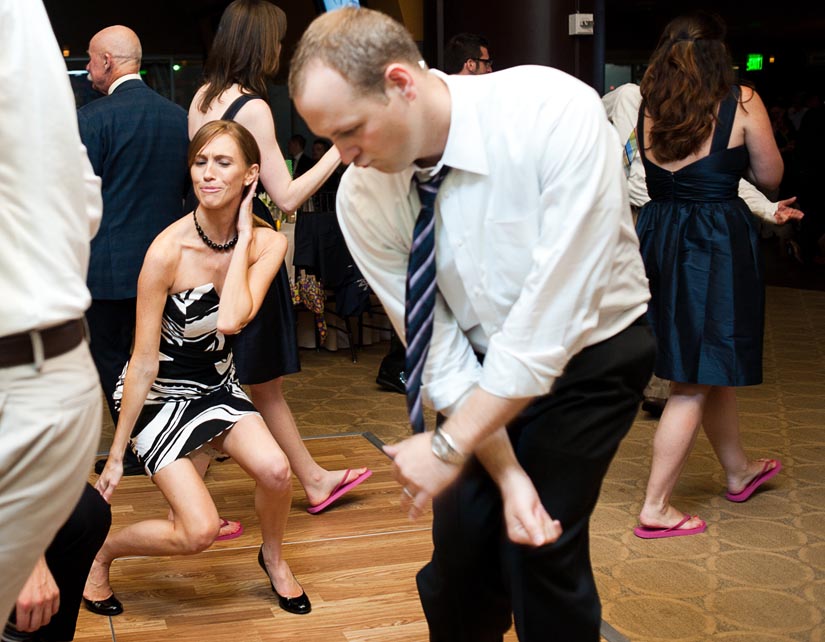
pixel 445 448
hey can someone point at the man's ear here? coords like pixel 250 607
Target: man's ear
pixel 398 77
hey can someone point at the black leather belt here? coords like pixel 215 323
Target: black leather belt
pixel 18 349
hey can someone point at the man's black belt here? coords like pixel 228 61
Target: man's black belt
pixel 19 349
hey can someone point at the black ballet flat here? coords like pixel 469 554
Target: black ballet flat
pixel 298 605
pixel 110 606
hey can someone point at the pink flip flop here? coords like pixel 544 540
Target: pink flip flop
pixel 342 488
pixel 236 533
pixel 655 532
pixel 756 482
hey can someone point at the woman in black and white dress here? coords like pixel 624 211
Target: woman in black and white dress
pixel 203 279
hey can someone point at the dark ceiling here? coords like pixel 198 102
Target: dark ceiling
pixel 792 33
pixel 636 24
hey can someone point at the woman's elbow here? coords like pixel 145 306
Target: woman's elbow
pixel 771 182
pixel 768 177
pixel 231 324
pixel 230 327
pixel 288 206
pixel 142 369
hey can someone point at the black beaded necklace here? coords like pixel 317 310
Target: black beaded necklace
pixel 218 247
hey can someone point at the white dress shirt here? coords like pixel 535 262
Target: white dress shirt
pixel 50 203
pixel 535 249
pixel 622 106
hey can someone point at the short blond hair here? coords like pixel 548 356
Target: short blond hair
pixel 357 43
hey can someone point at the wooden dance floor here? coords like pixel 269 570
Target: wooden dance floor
pixel 357 562
pixel 756 575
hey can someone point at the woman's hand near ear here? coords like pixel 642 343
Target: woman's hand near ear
pixel 245 224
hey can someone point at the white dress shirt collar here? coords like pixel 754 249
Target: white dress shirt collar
pixel 117 83
pixel 464 149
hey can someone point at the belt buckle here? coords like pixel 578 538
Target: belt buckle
pixel 38 351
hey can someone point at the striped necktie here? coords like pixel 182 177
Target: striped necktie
pixel 420 301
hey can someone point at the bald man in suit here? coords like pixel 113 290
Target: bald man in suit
pixel 137 142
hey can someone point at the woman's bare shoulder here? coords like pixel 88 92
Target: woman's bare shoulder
pixel 747 93
pixel 255 113
pixel 266 235
pixel 164 252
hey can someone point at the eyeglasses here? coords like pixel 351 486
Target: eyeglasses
pixel 486 61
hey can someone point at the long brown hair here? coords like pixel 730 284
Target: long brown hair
pixel 689 74
pixel 246 49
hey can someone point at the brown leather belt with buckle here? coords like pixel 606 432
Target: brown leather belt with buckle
pixel 17 349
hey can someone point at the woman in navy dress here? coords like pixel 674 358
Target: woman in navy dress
pixel 698 134
pixel 204 279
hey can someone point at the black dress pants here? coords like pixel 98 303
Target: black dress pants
pixel 565 441
pixel 111 330
pixel 69 558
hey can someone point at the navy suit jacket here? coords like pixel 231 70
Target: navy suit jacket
pixel 137 142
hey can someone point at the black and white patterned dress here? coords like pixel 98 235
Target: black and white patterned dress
pixel 195 395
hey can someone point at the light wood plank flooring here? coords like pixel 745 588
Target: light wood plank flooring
pixel 357 563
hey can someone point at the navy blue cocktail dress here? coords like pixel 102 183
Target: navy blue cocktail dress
pixel 700 247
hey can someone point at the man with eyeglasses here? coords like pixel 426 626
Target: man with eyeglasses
pixel 468 54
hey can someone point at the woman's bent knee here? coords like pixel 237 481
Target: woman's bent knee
pixel 276 475
pixel 198 539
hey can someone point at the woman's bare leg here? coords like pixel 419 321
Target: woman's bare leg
pixel 674 439
pixel 317 482
pixel 201 462
pixel 193 530
pixel 721 424
pixel 251 445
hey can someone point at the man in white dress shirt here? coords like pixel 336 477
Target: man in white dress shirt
pixel 49 391
pixel 538 276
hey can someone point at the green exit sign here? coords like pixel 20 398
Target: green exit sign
pixel 754 62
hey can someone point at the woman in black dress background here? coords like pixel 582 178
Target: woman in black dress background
pixel 244 55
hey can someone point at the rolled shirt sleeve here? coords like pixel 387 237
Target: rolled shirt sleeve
pixel 536 253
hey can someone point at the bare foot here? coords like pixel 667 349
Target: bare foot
pixel 667 519
pixel 229 529
pixel 318 490
pixel 97 586
pixel 738 481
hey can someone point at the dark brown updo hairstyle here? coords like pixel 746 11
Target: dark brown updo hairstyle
pixel 689 74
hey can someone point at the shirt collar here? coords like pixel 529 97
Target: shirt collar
pixel 465 141
pixel 117 83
